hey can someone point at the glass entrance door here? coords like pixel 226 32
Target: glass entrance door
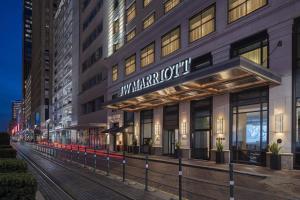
pixel 201 129
pixel 169 142
pixel 201 144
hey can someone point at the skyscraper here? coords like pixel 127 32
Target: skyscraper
pixel 40 72
pixel 26 60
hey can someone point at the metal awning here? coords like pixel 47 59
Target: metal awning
pixel 86 126
pixel 230 76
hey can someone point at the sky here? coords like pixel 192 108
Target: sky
pixel 10 57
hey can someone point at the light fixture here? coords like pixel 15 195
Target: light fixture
pixel 184 129
pixel 157 129
pixel 220 125
pixel 279 123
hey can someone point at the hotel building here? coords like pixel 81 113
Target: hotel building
pixel 188 73
pixel 65 71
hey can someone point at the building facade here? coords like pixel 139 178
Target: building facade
pixel 190 73
pixel 65 70
pixel 41 64
pixel 92 72
pixel 26 59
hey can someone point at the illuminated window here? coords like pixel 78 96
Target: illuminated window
pixel 130 35
pixel 240 8
pixel 170 4
pixel 202 24
pixel 146 3
pixel 130 65
pixel 115 73
pixel 147 55
pixel 131 13
pixel 170 42
pixel 116 26
pixel 254 48
pixel 149 21
pixel 116 47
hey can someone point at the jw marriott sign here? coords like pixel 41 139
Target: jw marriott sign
pixel 166 74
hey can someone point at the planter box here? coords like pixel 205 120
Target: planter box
pixel 275 162
pixel 135 149
pixel 220 157
pixel 177 153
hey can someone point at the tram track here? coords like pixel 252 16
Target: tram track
pixel 68 194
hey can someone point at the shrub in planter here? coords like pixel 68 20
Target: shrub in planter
pixel 275 158
pixel 12 165
pixel 15 186
pixel 219 153
pixel 8 153
pixel 4 139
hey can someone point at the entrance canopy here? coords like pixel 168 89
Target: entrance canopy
pixel 230 76
pixel 114 130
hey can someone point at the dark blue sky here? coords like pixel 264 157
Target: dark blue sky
pixel 10 57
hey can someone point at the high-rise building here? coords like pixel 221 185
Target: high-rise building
pixel 65 70
pixel 92 71
pixel 16 106
pixel 42 26
pixel 26 60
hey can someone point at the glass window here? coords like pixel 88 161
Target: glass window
pixel 146 126
pixel 147 55
pixel 130 35
pixel 202 24
pixel 240 8
pixel 131 13
pixel 115 73
pixel 201 62
pixel 116 26
pixel 130 65
pixel 254 48
pixel 170 42
pixel 146 2
pixel 149 21
pixel 249 126
pixel 170 4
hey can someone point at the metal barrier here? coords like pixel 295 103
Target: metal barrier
pixel 175 177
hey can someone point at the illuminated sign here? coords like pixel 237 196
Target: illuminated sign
pixel 166 74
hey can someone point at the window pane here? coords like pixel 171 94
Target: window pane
pixel 130 65
pixel 149 21
pixel 170 4
pixel 147 55
pixel 131 13
pixel 171 42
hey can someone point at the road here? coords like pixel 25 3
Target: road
pixel 61 181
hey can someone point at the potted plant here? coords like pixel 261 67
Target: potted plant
pixel 177 149
pixel 135 146
pixel 275 158
pixel 219 152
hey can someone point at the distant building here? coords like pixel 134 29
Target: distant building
pixel 40 73
pixel 17 116
pixel 26 58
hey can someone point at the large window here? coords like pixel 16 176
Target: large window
pixel 249 137
pixel 130 35
pixel 130 65
pixel 254 48
pixel 202 24
pixel 240 8
pixel 149 21
pixel 170 42
pixel 201 62
pixel 146 126
pixel 131 13
pixel 170 4
pixel 115 73
pixel 147 55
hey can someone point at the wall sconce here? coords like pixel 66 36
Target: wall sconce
pixel 157 133
pixel 220 126
pixel 279 123
pixel 184 129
